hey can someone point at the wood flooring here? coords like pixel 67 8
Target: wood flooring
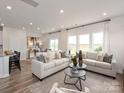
pixel 25 82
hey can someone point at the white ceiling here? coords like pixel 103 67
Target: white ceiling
pixel 47 15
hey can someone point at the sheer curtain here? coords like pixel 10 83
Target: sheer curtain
pixel 106 37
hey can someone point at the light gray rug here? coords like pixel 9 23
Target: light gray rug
pixel 95 83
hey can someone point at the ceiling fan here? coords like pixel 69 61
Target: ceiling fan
pixel 31 2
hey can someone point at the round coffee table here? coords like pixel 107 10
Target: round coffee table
pixel 78 67
pixel 81 75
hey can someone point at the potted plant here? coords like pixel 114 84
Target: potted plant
pixel 98 49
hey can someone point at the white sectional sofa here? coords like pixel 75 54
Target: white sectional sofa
pixel 99 66
pixel 42 70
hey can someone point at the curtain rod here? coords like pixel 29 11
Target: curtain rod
pixel 101 21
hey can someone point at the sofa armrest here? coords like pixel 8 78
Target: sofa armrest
pixel 113 63
pixel 37 68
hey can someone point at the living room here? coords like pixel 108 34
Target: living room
pixel 49 37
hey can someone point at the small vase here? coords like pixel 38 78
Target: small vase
pixel 80 63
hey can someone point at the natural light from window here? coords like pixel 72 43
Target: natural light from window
pixel 72 44
pixel 84 42
pixel 98 41
pixel 54 44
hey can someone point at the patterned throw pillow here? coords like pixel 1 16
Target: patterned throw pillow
pixel 100 57
pixel 63 54
pixel 57 55
pixel 41 58
pixel 107 58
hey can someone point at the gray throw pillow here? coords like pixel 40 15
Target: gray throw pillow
pixel 107 58
pixel 41 58
pixel 63 55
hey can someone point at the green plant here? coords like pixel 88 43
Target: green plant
pixel 98 49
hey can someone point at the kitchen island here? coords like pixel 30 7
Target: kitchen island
pixel 4 66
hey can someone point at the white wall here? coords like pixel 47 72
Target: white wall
pixel 33 33
pixel 15 39
pixel 116 29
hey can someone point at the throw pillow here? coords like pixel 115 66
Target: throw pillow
pixel 107 58
pixel 51 55
pixel 57 55
pixel 100 57
pixel 41 58
pixel 59 91
pixel 63 54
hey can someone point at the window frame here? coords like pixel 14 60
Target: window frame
pixel 91 45
pixel 54 49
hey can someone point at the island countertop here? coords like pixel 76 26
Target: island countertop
pixel 4 66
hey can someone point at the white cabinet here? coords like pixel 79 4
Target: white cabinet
pixel 1 66
pixel 4 66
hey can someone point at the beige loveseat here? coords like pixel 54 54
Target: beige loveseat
pixel 99 66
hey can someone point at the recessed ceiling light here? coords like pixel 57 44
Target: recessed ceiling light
pixel 9 7
pixel 38 28
pixel 62 26
pixel 2 24
pixel 104 14
pixel 61 11
pixel 31 23
pixel 23 28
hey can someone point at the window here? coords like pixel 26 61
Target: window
pixel 97 40
pixel 54 44
pixel 92 41
pixel 84 42
pixel 72 44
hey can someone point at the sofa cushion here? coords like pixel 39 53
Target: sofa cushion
pixel 58 62
pixel 63 54
pixel 50 55
pixel 65 59
pixel 89 62
pixel 41 53
pixel 103 65
pixel 49 65
pixel 57 55
pixel 91 55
